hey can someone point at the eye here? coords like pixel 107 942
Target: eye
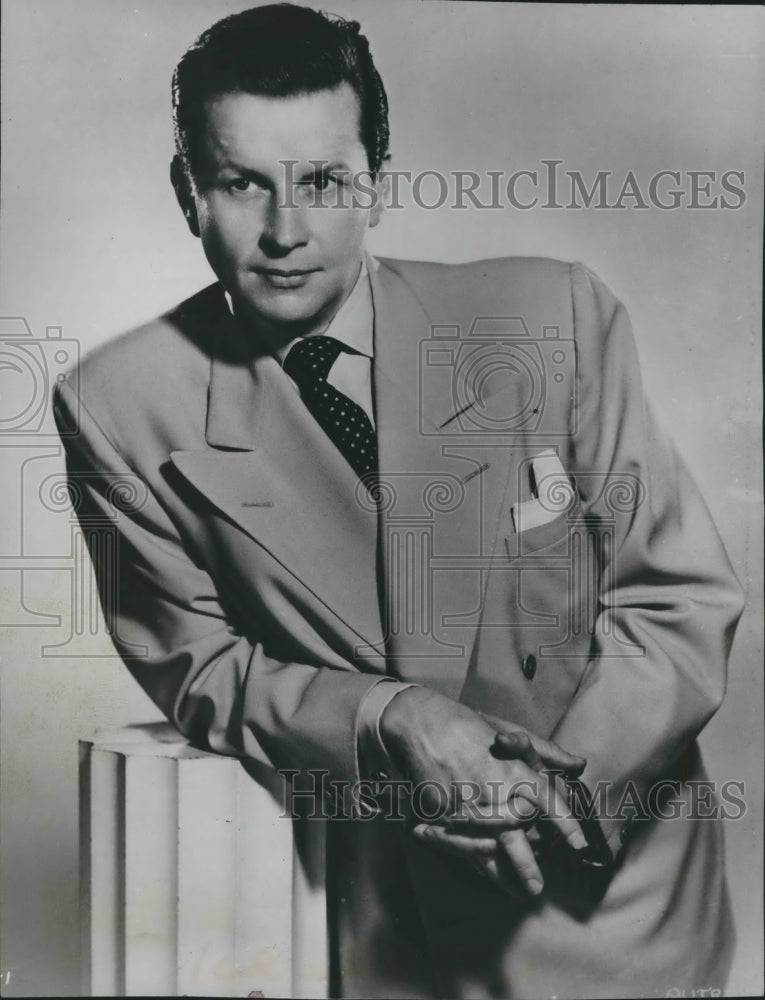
pixel 241 185
pixel 320 182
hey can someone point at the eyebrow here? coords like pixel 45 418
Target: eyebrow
pixel 324 166
pixel 316 167
pixel 248 172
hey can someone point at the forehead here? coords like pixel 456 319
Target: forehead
pixel 255 129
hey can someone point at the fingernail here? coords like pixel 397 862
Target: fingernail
pixel 535 886
pixel 577 840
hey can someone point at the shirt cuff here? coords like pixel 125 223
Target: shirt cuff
pixel 374 762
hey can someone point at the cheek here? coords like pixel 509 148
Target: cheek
pixel 226 234
pixel 344 228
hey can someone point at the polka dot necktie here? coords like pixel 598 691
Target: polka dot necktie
pixel 308 363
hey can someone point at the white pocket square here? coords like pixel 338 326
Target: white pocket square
pixel 554 493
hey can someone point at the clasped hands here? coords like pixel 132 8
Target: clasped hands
pixel 507 800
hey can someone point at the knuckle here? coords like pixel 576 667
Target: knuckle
pixel 524 808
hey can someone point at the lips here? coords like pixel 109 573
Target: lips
pixel 283 277
pixel 282 272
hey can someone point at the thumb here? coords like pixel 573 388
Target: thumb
pixel 516 746
pixel 537 753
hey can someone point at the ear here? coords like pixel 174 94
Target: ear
pixel 382 193
pixel 182 187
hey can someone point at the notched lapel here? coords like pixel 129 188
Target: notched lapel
pixel 276 475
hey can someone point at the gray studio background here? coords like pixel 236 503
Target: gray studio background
pixel 93 242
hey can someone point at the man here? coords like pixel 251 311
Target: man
pixel 414 521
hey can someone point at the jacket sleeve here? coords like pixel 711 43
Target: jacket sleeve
pixel 668 601
pixel 220 688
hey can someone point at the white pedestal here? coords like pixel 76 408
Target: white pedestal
pixel 192 883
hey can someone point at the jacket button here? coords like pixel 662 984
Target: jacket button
pixel 529 666
pixel 380 776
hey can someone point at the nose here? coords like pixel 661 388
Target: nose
pixel 284 229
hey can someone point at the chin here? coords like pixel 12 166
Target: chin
pixel 288 309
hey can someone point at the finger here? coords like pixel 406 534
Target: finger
pixel 516 848
pixel 541 791
pixel 488 866
pixel 462 843
pixel 522 797
pixel 536 752
pixel 526 814
pixel 516 746
pixel 553 755
pixel 479 852
pixel 524 809
pixel 538 840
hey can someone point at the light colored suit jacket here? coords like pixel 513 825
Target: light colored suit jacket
pixel 256 594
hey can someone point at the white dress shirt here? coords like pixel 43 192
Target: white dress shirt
pixel 352 325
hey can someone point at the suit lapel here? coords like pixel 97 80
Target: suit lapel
pixel 279 478
pixel 275 475
pixel 441 496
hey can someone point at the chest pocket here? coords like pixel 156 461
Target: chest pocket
pixel 549 516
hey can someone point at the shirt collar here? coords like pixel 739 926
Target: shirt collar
pixel 353 323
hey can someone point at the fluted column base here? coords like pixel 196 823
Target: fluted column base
pixel 191 881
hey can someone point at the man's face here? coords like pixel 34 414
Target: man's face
pixel 269 218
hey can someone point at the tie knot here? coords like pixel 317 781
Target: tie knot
pixel 310 360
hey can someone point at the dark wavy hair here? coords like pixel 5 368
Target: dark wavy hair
pixel 280 50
